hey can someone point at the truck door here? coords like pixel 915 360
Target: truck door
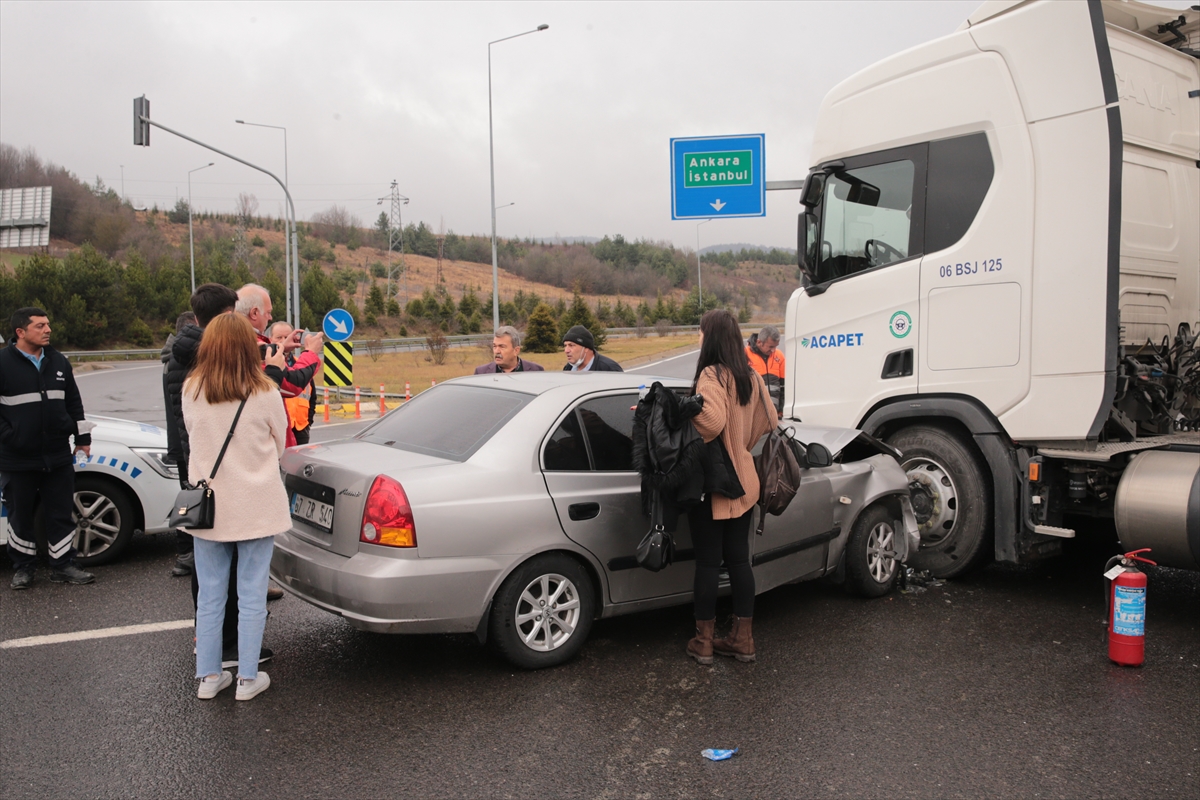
pixel 856 329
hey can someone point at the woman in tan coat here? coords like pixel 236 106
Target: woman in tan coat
pixel 734 411
pixel 251 503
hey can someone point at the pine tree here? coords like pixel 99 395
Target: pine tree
pixel 541 334
pixel 579 314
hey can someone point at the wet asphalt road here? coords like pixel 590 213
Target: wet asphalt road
pixel 993 686
pixel 996 685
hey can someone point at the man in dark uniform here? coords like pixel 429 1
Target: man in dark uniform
pixel 580 348
pixel 40 410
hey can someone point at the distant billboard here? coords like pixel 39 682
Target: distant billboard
pixel 25 217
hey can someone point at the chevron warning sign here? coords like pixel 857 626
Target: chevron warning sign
pixel 339 363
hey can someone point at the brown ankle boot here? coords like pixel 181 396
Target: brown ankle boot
pixel 739 643
pixel 701 647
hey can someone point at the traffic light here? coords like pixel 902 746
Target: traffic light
pixel 141 128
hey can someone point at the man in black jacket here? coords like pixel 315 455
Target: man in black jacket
pixel 40 409
pixel 580 348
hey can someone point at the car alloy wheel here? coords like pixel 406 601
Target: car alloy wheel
pixel 870 557
pixel 881 559
pixel 542 614
pixel 104 520
pixel 547 612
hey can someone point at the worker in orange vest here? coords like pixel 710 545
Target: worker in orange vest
pixel 762 351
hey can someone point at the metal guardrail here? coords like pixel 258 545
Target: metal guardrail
pixel 385 345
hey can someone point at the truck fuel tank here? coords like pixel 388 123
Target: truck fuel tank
pixel 1158 506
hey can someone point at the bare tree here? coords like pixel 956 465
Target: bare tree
pixel 335 224
pixel 247 207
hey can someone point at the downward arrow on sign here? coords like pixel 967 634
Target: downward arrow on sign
pixel 338 325
pixel 718 205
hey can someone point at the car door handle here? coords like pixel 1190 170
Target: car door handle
pixel 582 511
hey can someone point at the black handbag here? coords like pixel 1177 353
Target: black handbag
pixel 196 507
pixel 720 477
pixel 656 551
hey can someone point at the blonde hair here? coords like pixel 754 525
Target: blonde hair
pixel 228 364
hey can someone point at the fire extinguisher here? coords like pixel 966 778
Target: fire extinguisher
pixel 1127 608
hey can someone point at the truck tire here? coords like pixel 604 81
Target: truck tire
pixel 951 498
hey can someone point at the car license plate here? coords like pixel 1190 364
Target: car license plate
pixel 314 512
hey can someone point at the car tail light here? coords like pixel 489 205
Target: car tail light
pixel 387 516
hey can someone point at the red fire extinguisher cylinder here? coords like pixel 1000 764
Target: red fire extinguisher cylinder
pixel 1127 611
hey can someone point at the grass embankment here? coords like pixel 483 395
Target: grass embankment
pixel 417 368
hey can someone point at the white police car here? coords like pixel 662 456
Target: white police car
pixel 125 486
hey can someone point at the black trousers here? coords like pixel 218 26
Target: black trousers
pixel 716 540
pixel 55 490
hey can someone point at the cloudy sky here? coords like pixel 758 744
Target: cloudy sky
pixel 371 92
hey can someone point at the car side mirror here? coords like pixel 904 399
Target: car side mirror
pixel 818 455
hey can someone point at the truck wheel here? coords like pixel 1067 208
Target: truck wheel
pixel 951 499
pixel 871 565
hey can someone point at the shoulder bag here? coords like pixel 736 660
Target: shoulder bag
pixel 656 551
pixel 778 471
pixel 196 507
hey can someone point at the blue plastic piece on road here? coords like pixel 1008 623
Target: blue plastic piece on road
pixel 719 755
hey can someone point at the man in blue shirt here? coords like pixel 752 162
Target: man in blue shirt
pixel 40 410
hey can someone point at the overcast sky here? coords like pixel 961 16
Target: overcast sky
pixel 371 92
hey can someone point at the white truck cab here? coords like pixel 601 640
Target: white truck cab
pixel 1001 259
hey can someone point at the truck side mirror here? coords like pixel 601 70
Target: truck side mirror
pixel 806 245
pixel 814 189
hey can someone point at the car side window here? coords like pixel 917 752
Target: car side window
pixel 566 452
pixel 608 422
pixel 597 435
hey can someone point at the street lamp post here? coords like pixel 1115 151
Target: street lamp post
pixel 492 163
pixel 699 278
pixel 290 255
pixel 191 242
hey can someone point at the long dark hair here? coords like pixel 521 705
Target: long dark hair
pixel 722 347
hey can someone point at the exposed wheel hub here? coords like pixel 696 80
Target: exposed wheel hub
pixel 934 499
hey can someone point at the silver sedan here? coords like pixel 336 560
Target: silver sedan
pixel 507 506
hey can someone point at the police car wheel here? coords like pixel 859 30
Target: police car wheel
pixel 104 520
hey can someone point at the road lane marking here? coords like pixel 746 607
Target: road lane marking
pixel 98 633
pixel 654 364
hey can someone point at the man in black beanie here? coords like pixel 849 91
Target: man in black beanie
pixel 580 348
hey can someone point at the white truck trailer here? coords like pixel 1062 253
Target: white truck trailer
pixel 1000 249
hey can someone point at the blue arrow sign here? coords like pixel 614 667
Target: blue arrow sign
pixel 719 176
pixel 338 325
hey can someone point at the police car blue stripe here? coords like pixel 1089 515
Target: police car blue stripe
pixel 135 472
pixel 124 466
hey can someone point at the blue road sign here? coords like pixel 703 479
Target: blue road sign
pixel 718 176
pixel 338 325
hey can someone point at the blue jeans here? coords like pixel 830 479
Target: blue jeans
pixel 212 573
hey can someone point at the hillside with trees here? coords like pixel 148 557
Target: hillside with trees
pixel 116 276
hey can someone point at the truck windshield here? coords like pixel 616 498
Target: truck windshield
pixel 866 216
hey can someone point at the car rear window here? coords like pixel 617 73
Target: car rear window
pixel 449 422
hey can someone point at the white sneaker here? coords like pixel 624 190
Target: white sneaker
pixel 247 690
pixel 210 686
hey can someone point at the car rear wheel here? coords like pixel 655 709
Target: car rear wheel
pixel 543 612
pixel 104 520
pixel 871 564
pixel 951 499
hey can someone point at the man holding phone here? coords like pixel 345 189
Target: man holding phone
pixel 300 408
